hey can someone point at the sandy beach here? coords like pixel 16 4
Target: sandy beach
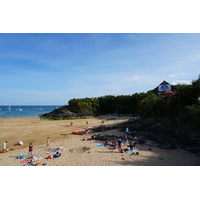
pixel 79 152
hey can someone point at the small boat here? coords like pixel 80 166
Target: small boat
pixel 77 133
pixel 9 108
pixel 40 108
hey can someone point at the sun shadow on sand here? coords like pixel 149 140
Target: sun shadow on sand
pixel 103 152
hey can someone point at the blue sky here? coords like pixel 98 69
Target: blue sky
pixel 51 69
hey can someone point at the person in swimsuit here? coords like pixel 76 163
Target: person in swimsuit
pixel 48 142
pixel 30 149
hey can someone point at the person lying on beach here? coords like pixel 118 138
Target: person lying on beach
pixel 56 155
pixel 61 148
pixel 19 143
pixel 131 147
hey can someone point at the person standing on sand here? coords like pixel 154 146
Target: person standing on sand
pixel 4 146
pixel 119 141
pixel 48 142
pixel 30 149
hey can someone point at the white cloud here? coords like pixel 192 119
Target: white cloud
pixel 181 82
pixel 183 73
pixel 172 75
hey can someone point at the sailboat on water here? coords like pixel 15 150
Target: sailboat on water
pixel 40 108
pixel 9 108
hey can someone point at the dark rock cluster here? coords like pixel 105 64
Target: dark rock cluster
pixel 165 134
pixel 64 113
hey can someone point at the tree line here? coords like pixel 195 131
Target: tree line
pixel 183 105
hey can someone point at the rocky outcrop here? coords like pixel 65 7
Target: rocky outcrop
pixel 64 113
pixel 167 134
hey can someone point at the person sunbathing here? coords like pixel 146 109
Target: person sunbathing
pixel 19 143
pixel 61 148
pixel 56 155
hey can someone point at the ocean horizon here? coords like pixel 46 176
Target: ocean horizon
pixel 25 110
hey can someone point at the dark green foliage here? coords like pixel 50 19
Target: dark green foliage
pixel 183 106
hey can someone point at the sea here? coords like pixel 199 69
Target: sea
pixel 25 111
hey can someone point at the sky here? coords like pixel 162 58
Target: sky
pixel 52 68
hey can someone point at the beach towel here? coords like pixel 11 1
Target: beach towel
pixel 56 155
pixel 165 158
pixel 25 161
pixel 135 149
pixel 100 145
pixel 55 150
pixel 21 156
pixel 48 157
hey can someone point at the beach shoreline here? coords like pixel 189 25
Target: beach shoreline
pixel 79 152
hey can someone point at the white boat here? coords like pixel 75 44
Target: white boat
pixel 40 108
pixel 9 108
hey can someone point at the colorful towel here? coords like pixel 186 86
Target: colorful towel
pixel 25 161
pixel 100 145
pixel 135 149
pixel 55 150
pixel 21 156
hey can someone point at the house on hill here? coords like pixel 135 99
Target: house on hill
pixel 164 87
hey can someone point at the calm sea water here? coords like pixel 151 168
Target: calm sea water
pixel 24 111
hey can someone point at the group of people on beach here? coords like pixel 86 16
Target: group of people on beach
pixel 117 144
pixel 126 141
pixel 30 147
